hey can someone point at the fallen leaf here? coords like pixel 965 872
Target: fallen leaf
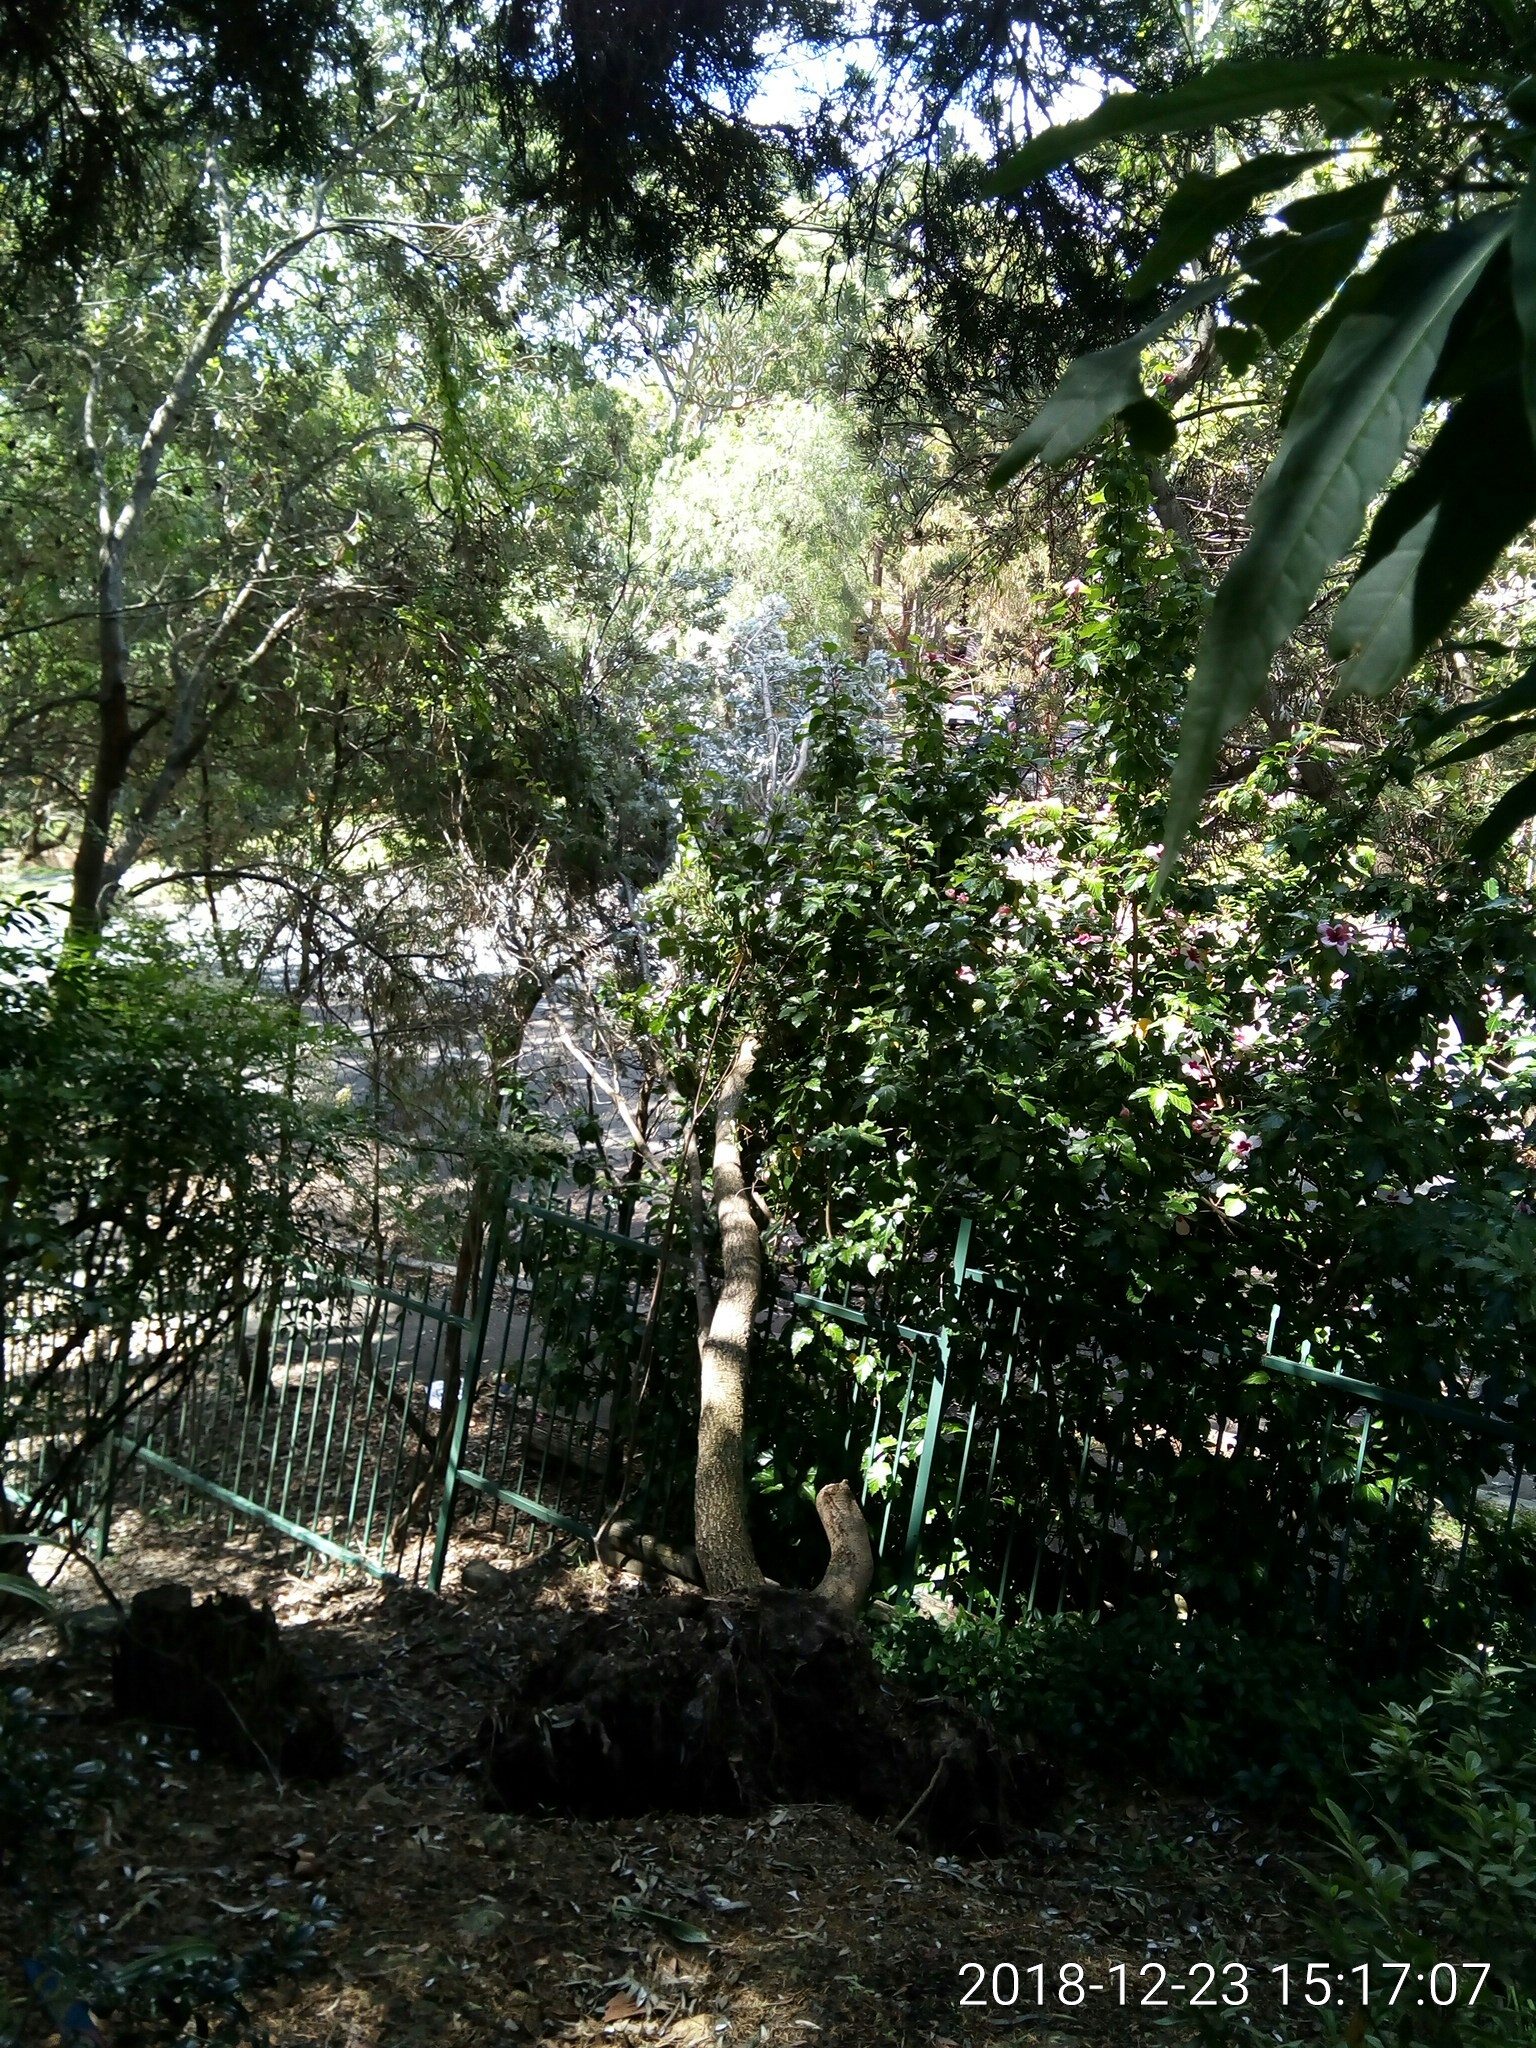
pixel 680 1930
pixel 623 2006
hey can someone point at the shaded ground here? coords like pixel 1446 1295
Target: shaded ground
pixel 432 1920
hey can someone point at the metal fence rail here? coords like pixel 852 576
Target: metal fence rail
pixel 361 1413
pixel 1013 1465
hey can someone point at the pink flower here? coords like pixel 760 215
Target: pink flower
pixel 965 974
pixel 1073 587
pixel 1334 934
pixel 1244 1146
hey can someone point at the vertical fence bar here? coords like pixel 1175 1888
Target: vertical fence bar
pixel 936 1394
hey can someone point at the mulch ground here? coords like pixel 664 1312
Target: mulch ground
pixel 410 1914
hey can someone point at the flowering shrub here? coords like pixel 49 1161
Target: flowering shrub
pixel 1293 1091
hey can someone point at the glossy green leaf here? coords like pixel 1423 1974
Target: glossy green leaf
pixel 1202 206
pixel 1092 391
pixel 1437 537
pixel 1496 736
pixel 1519 696
pixel 1234 90
pixel 1510 812
pixel 1522 279
pixel 1346 436
pixel 1485 340
pixel 1372 631
pixel 1297 275
pixel 1385 282
pixel 14 1586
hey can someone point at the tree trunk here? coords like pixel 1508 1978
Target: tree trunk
pixel 114 751
pixel 720 1489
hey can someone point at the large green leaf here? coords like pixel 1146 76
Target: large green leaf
pixel 16 1586
pixel 1093 390
pixel 1345 203
pixel 1372 630
pixel 1484 341
pixel 1522 266
pixel 1202 206
pixel 1296 275
pixel 1347 434
pixel 1520 695
pixel 1437 538
pixel 1384 284
pixel 1234 90
pixel 1501 735
pixel 1510 812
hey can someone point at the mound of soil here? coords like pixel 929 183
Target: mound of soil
pixel 221 1669
pixel 663 1701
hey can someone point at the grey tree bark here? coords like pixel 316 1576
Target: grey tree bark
pixel 721 1535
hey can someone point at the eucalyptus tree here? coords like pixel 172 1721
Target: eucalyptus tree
pixel 204 463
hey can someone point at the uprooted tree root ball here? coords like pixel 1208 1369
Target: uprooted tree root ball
pixel 644 1699
pixel 222 1669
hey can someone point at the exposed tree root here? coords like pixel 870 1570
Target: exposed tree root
pixel 619 1541
pixel 660 1700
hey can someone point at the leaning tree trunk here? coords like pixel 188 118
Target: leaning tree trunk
pixel 720 1528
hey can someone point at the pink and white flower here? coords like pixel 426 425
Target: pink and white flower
pixel 1335 935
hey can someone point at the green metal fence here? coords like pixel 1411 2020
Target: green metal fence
pixel 363 1415
pixel 1006 1460
pixel 1019 1470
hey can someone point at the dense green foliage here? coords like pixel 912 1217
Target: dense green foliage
pixel 1145 1696
pixel 1432 1853
pixel 971 1002
pixel 154 1133
pixel 1425 1849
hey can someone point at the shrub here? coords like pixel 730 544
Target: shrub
pixel 1144 1694
pixel 1433 1860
